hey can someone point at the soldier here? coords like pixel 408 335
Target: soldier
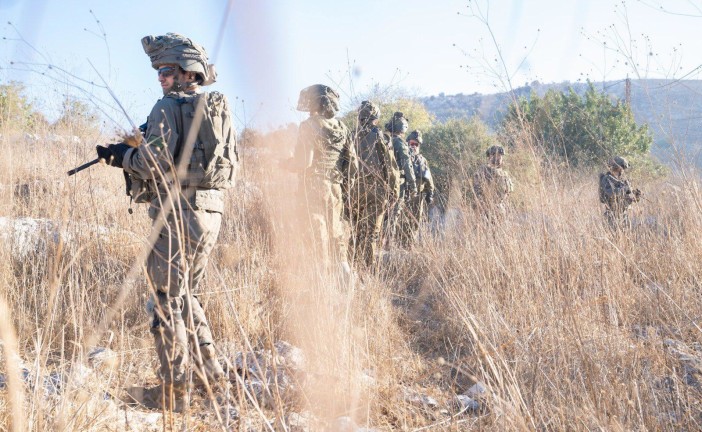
pixel 397 127
pixel 616 194
pixel 186 162
pixel 378 180
pixel 415 210
pixel 492 185
pixel 325 157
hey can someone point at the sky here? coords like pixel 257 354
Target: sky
pixel 266 51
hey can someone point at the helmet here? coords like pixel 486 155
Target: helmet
pixel 618 161
pixel 319 98
pixel 368 111
pixel 173 48
pixel 496 149
pixel 415 135
pixel 398 123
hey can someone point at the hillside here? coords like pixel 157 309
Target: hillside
pixel 671 108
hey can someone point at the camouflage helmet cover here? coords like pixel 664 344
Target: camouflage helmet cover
pixel 496 149
pixel 368 111
pixel 619 161
pixel 319 98
pixel 398 123
pixel 415 135
pixel 173 48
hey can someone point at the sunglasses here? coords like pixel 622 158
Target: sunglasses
pixel 167 71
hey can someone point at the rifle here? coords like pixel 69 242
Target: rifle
pixel 142 129
pixel 84 166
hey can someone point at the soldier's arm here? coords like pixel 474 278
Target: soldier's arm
pixel 427 178
pixel 509 184
pixel 229 132
pixel 155 157
pixel 352 157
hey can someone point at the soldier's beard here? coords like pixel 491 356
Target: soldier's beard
pixel 176 87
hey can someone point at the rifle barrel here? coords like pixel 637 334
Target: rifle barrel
pixel 84 166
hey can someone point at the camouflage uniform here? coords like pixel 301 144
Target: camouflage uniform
pixel 397 126
pixel 325 155
pixel 187 207
pixel 491 187
pixel 378 180
pixel 416 208
pixel 616 193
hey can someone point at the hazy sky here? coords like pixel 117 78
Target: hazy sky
pixel 270 49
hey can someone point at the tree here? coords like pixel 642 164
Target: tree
pixel 16 110
pixel 415 112
pixel 579 130
pixel 77 117
pixel 454 149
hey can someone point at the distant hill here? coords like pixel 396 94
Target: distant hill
pixel 671 108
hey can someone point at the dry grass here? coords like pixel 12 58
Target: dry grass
pixel 569 326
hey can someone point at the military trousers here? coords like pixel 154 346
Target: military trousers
pixel 324 208
pixel 409 221
pixel 175 267
pixel 368 211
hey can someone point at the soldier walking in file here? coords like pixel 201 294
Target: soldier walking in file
pixel 417 206
pixel 397 127
pixel 616 194
pixel 185 163
pixel 378 182
pixel 492 185
pixel 326 161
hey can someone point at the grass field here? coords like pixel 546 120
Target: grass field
pixel 567 325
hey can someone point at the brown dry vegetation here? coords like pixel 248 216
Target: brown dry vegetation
pixel 569 326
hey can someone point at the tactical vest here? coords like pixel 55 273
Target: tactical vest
pixel 420 165
pixel 369 150
pixel 211 161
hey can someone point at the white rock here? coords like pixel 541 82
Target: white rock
pixel 463 404
pixel 477 391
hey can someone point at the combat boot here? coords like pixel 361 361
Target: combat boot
pixel 209 366
pixel 169 397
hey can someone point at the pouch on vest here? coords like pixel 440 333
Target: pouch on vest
pixel 141 191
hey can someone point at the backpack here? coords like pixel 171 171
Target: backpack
pixel 370 162
pixel 211 162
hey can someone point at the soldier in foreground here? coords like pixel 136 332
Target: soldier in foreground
pixel 326 160
pixel 378 181
pixel 616 194
pixel 397 127
pixel 417 205
pixel 492 185
pixel 182 169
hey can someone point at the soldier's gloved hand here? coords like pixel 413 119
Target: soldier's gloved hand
pixel 113 154
pixel 429 198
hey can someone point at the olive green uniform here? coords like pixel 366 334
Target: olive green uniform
pixel 408 184
pixel 617 195
pixel 191 220
pixel 491 187
pixel 378 181
pixel 416 205
pixel 326 155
